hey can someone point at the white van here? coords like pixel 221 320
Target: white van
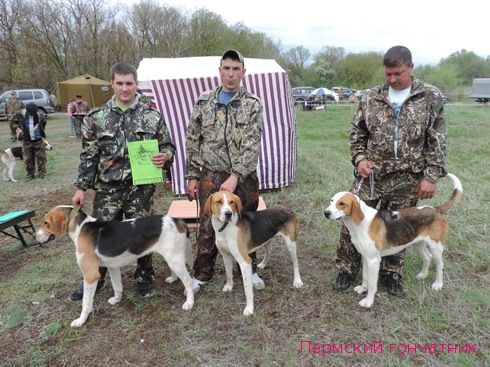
pixel 40 97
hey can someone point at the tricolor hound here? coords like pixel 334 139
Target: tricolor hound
pixel 114 244
pixel 377 233
pixel 10 156
pixel 241 233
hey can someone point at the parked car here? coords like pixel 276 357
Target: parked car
pixel 346 92
pixel 40 97
pixel 300 94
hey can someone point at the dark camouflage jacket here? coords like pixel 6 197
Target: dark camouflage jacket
pixel 18 122
pixel 12 107
pixel 104 158
pixel 421 132
pixel 224 138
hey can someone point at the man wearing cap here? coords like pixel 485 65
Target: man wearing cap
pixel 79 110
pixel 13 106
pixel 223 143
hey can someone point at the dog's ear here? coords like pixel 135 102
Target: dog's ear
pixel 239 205
pixel 356 212
pixel 207 205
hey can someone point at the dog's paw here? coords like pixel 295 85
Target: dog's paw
pixel 228 287
pixel 248 311
pixel 114 300
pixel 365 302
pixel 171 278
pixel 421 275
pixel 297 283
pixel 78 322
pixel 360 289
pixel 437 286
pixel 187 305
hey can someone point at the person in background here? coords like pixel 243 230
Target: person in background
pixel 79 111
pixel 69 111
pixel 30 125
pixel 13 106
pixel 105 166
pixel 398 138
pixel 223 142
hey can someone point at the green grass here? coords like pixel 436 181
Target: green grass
pixel 35 282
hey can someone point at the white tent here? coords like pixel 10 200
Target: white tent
pixel 175 84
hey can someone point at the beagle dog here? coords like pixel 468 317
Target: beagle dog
pixel 114 244
pixel 377 233
pixel 10 156
pixel 239 233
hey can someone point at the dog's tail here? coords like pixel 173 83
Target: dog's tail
pixel 455 196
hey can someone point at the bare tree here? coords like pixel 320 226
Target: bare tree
pixel 295 60
pixel 10 21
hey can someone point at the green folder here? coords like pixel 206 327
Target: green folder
pixel 142 168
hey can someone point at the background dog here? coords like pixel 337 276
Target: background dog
pixel 241 233
pixel 114 244
pixel 377 233
pixel 10 156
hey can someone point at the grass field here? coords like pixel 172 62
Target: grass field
pixel 290 326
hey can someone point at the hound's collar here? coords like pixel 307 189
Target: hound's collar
pixel 223 226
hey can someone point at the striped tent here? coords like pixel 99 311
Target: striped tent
pixel 174 85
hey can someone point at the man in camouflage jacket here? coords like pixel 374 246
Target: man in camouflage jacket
pixel 105 166
pixel 398 138
pixel 13 106
pixel 30 125
pixel 223 142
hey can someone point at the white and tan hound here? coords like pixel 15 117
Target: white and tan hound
pixel 378 233
pixel 115 244
pixel 10 156
pixel 240 233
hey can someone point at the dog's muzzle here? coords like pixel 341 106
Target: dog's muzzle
pixel 328 214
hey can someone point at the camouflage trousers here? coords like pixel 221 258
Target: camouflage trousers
pixel 392 192
pixel 119 202
pixel 13 129
pixel 34 153
pixel 209 183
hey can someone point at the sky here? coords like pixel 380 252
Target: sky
pixel 431 29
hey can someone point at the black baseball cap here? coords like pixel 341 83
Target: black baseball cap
pixel 234 55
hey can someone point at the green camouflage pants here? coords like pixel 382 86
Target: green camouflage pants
pixel 126 202
pixel 393 192
pixel 34 153
pixel 209 183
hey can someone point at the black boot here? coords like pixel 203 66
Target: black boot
pixel 393 284
pixel 145 276
pixel 342 282
pixel 77 295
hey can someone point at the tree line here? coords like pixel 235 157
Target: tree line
pixel 43 42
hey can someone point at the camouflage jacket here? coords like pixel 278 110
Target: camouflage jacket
pixel 104 158
pixel 12 107
pixel 19 122
pixel 421 131
pixel 224 138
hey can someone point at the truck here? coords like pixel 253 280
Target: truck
pixel 480 90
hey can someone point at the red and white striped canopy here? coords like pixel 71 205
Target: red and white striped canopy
pixel 175 84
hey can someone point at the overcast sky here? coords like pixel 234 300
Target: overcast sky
pixel 432 29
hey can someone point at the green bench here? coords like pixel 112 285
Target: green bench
pixel 21 222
